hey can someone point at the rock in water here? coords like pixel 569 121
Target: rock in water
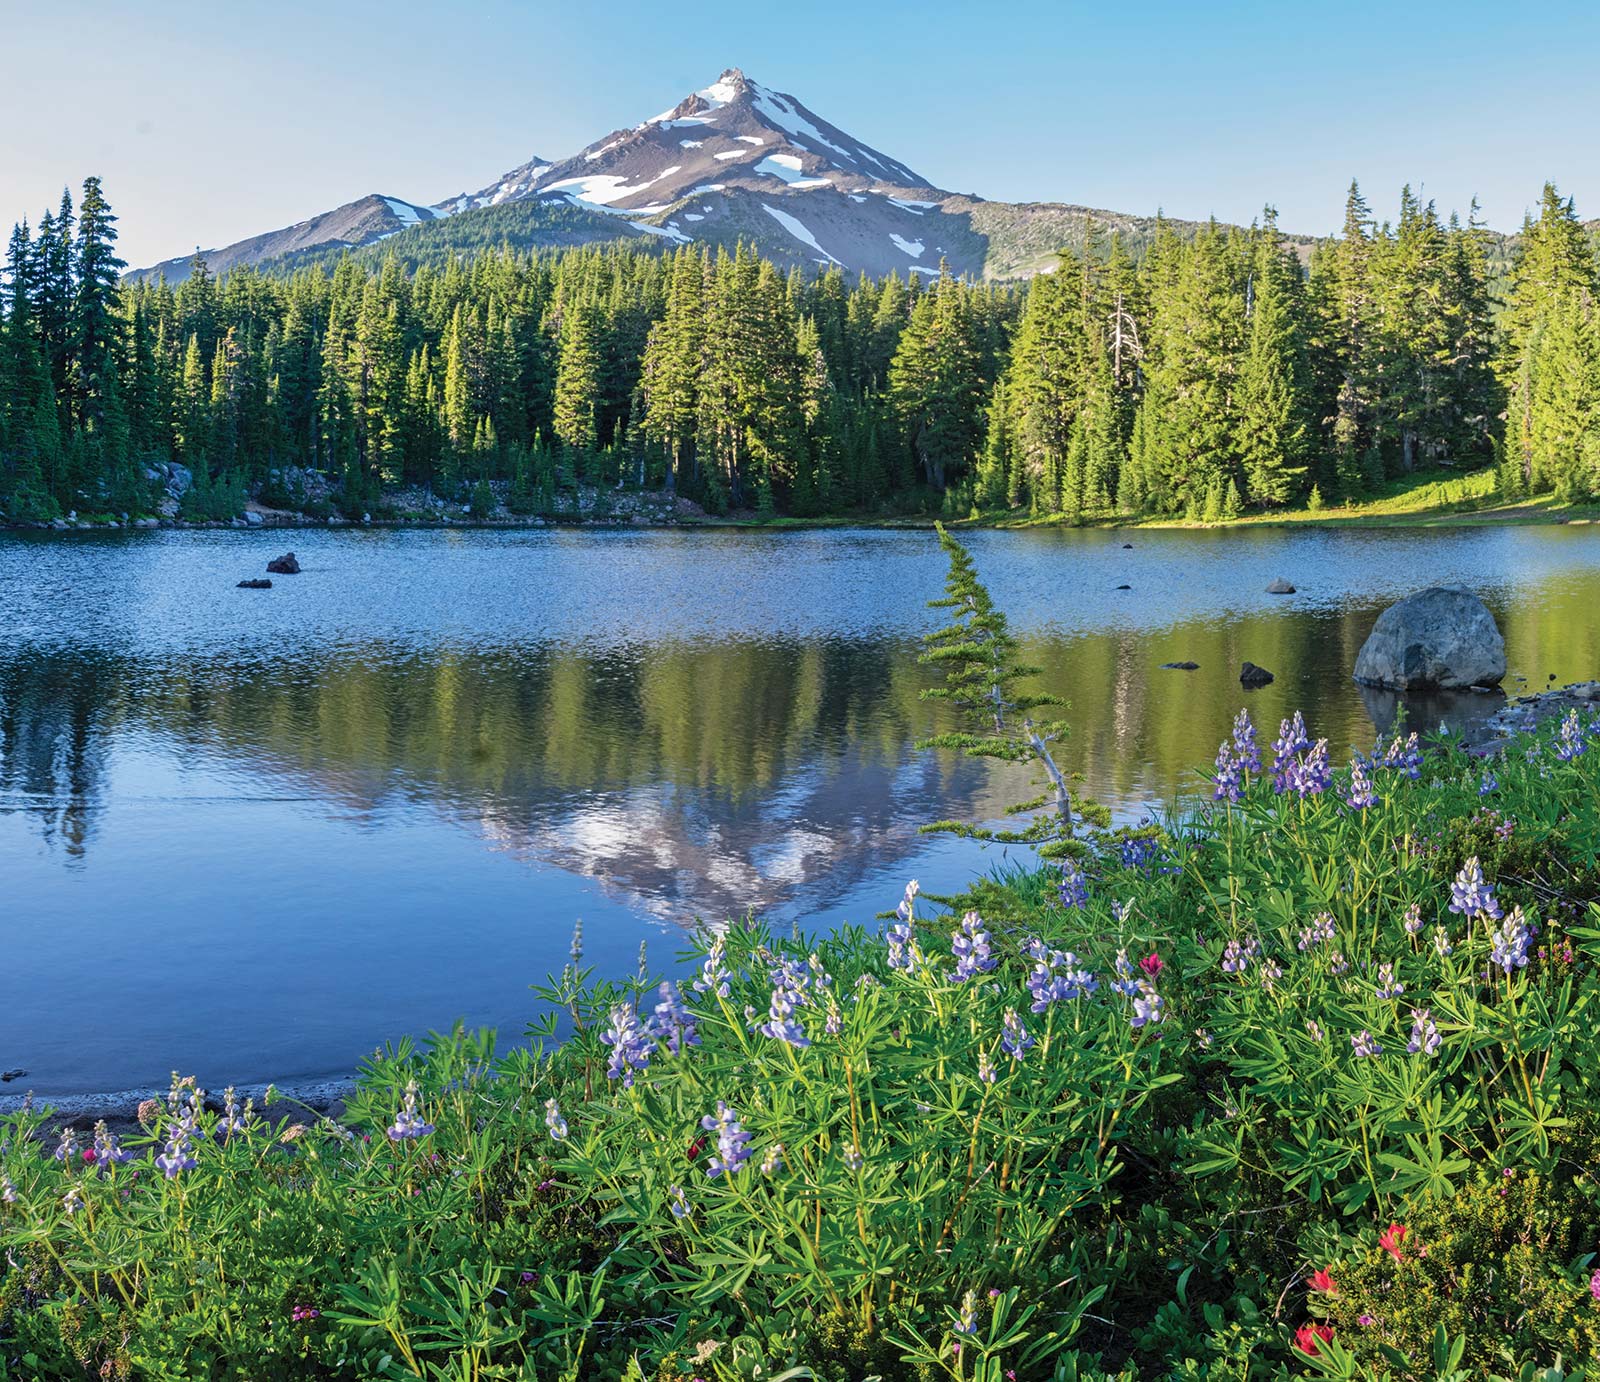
pixel 1280 587
pixel 285 565
pixel 1251 675
pixel 1124 587
pixel 1180 666
pixel 1443 638
pixel 255 585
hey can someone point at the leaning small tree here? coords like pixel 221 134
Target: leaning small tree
pixel 979 656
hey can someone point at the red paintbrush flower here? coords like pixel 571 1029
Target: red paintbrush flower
pixel 1321 1281
pixel 1309 1338
pixel 1393 1240
pixel 697 1146
pixel 1152 964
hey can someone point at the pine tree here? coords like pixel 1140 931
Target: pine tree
pixel 979 656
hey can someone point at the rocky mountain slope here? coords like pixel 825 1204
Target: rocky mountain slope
pixel 734 161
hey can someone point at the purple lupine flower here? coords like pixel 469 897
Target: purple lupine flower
pixel 1148 1008
pixel 1570 743
pixel 986 1070
pixel 1047 985
pixel 72 1201
pixel 1074 888
pixel 901 946
pixel 967 1320
pixel 1236 955
pixel 408 1124
pixel 1314 1028
pixel 1319 932
pixel 781 1024
pixel 1470 895
pixel 772 1162
pixel 554 1121
pixel 1441 941
pixel 630 1042
pixel 66 1150
pixel 1489 784
pixel 1271 972
pixel 677 1202
pixel 1337 964
pixel 1509 944
pixel 1361 794
pixel 1412 920
pixel 107 1151
pixel 673 1024
pixel 835 1023
pixel 1388 986
pixel 233 1120
pixel 971 949
pixel 1290 742
pixel 176 1158
pixel 1244 742
pixel 1425 1036
pixel 714 973
pixel 1127 981
pixel 1228 779
pixel 853 1159
pixel 1363 1043
pixel 907 909
pixel 733 1142
pixel 1014 1038
pixel 1204 1038
pixel 1137 852
pixel 1313 774
pixel 8 1192
pixel 1405 755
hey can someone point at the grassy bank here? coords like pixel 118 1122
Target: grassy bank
pixel 1279 1090
pixel 1435 499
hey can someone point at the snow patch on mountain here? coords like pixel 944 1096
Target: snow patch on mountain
pixel 787 167
pixel 797 228
pixel 409 215
pixel 669 231
pixel 912 247
pixel 597 193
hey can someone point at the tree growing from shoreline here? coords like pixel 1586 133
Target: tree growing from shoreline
pixel 980 658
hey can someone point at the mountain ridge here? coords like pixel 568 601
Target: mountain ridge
pixel 732 162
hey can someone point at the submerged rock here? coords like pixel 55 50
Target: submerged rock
pixel 1280 586
pixel 255 585
pixel 1442 638
pixel 286 565
pixel 1124 587
pixel 1251 675
pixel 1180 666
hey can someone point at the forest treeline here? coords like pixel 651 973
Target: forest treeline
pixel 1217 374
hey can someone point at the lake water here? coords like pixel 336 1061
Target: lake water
pixel 253 833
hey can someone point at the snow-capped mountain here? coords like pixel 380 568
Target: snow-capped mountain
pixel 732 162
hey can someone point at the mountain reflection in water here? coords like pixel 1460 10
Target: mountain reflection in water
pixel 278 802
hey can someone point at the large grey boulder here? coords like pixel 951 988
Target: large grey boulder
pixel 1443 638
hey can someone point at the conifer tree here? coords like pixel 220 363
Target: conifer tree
pixel 981 661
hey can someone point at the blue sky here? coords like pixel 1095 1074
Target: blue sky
pixel 209 123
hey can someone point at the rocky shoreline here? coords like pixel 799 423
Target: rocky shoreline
pixel 1523 715
pixel 301 1101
